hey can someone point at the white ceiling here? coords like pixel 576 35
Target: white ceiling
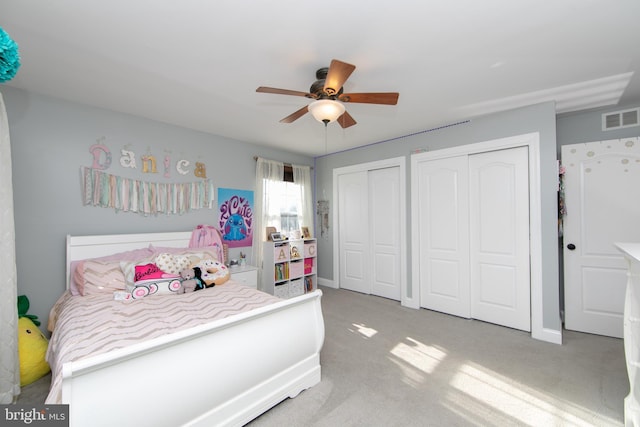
pixel 197 63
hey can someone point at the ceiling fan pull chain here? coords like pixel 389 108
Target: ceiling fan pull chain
pixel 325 139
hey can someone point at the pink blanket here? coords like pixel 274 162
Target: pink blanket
pixel 89 325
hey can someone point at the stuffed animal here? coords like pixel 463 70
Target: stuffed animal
pixel 32 345
pixel 191 280
pixel 213 272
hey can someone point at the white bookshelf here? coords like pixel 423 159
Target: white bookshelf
pixel 289 268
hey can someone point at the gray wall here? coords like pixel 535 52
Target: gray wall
pixel 586 126
pixel 50 141
pixel 538 118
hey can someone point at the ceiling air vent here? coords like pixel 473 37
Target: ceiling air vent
pixel 621 119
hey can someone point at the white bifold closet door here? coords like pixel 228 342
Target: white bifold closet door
pixel 443 235
pixel 353 210
pixel 474 236
pixel 369 232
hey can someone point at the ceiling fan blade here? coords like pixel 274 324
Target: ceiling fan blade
pixel 338 73
pixel 263 89
pixel 387 98
pixel 295 116
pixel 346 120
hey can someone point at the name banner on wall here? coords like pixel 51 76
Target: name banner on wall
pixel 148 198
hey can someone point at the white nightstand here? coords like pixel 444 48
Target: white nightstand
pixel 247 275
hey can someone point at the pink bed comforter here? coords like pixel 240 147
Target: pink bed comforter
pixel 88 325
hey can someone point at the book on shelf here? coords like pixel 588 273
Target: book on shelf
pixel 308 283
pixel 308 265
pixel 281 271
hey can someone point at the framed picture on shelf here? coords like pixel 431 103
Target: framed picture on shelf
pixel 276 237
pixel 269 231
pixel 305 233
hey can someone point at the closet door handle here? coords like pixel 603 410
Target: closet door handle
pixel 571 246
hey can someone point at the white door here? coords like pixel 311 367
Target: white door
pixel 473 233
pixel 384 222
pixel 602 199
pixel 353 217
pixel 443 235
pixel 499 231
pixel 370 232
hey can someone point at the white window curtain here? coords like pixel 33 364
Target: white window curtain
pixel 302 176
pixel 9 361
pixel 267 172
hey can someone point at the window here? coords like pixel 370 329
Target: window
pixel 285 205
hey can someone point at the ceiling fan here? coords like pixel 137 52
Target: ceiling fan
pixel 327 91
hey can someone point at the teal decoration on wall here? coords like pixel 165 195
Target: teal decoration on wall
pixel 9 57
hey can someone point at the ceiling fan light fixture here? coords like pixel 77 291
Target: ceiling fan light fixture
pixel 326 110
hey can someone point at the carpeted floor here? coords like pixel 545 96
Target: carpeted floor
pixel 386 365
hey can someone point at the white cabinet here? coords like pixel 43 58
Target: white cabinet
pixel 247 275
pixel 289 267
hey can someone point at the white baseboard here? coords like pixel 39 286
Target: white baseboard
pixel 327 282
pixel 549 335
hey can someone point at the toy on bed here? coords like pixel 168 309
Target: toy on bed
pixel 149 279
pixel 176 273
pixel 32 345
pixel 170 273
pixel 213 272
pixel 191 280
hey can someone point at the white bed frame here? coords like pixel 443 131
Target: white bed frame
pixel 224 373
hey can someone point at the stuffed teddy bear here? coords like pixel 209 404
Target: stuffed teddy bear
pixel 32 345
pixel 191 280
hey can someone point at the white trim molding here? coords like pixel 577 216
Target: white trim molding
pixel 327 283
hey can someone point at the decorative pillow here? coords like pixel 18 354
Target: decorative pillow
pixel 95 277
pixel 132 269
pixel 162 286
pixel 205 252
pixel 103 274
pixel 172 264
pixel 128 269
pixel 73 286
pixel 151 272
pixel 213 272
pixel 149 279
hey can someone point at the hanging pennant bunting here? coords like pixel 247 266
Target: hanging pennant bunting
pixel 147 198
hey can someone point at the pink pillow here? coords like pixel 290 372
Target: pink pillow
pixel 103 274
pixel 203 252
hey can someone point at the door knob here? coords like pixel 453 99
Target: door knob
pixel 571 246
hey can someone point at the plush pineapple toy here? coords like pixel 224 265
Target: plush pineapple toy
pixel 32 345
